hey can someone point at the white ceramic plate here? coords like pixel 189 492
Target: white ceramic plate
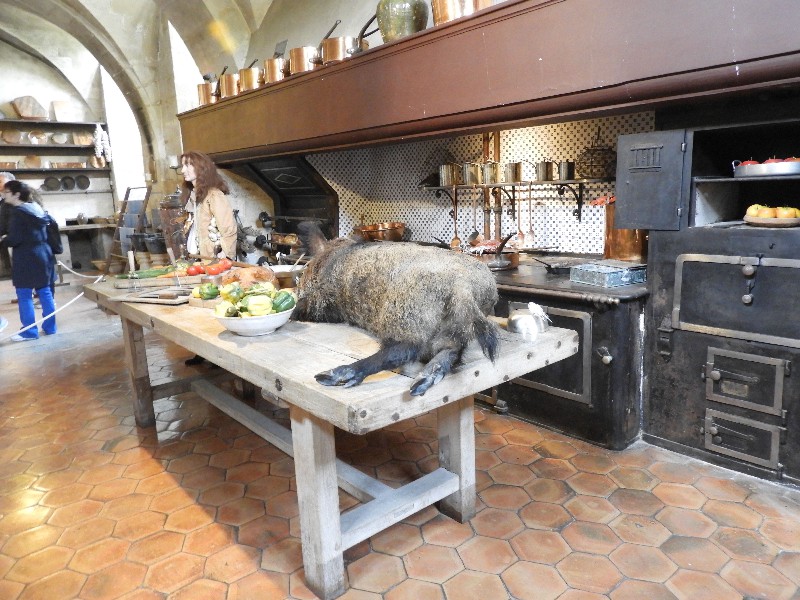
pixel 59 138
pixel 253 326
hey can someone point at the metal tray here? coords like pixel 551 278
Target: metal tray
pixel 762 170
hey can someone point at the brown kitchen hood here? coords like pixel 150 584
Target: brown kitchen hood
pixel 518 63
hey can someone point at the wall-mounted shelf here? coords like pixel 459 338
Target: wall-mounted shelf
pixel 561 186
pixel 105 170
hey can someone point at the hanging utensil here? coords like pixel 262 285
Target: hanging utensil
pixel 530 236
pixel 456 241
pixel 520 233
pixel 475 237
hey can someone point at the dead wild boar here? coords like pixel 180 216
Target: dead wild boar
pixel 423 303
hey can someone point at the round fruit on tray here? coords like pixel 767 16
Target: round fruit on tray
pixel 771 222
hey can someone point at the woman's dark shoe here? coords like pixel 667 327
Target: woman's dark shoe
pixel 195 360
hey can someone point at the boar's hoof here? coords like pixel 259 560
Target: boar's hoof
pixel 423 384
pixel 345 375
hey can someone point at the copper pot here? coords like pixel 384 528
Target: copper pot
pixel 387 232
pixel 302 59
pixel 249 79
pixel 228 85
pixel 205 93
pixel 275 69
pixel 336 49
pixel 624 244
pixel 447 10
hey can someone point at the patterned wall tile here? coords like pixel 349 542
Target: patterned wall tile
pixel 383 184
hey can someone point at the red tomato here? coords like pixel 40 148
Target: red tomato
pixel 194 270
pixel 225 263
pixel 213 269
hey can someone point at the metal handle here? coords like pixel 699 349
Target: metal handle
pixel 747 299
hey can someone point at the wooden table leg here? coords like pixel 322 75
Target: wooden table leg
pixel 318 499
pixel 457 455
pixel 136 359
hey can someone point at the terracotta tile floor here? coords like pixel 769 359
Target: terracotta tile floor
pixel 200 508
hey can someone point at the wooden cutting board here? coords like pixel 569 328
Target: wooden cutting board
pixel 28 107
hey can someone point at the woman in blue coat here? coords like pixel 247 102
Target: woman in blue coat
pixel 32 260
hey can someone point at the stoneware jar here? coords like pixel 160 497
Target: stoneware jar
pixel 400 18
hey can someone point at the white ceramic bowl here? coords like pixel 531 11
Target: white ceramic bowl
pixel 252 326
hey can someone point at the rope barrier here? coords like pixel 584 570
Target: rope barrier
pixel 97 279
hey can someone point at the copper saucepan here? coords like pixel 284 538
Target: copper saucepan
pixel 275 69
pixel 302 59
pixel 250 77
pixel 447 10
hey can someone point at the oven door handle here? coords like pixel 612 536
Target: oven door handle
pixel 716 374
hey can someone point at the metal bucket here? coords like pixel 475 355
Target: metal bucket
pixel 566 170
pixel 471 174
pixel 492 173
pixel 513 172
pixel 544 170
pixel 447 10
pixel 449 174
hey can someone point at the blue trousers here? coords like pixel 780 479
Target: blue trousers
pixel 27 314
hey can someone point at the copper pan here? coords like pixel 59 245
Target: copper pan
pixel 250 78
pixel 339 48
pixel 275 69
pixel 205 93
pixel 447 10
pixel 302 59
pixel 228 85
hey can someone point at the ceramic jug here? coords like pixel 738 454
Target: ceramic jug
pixel 400 18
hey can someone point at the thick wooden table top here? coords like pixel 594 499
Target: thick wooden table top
pixel 285 362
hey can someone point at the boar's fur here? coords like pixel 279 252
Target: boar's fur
pixel 422 303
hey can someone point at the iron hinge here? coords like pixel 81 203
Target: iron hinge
pixel 787 368
pixel 664 338
pixel 680 211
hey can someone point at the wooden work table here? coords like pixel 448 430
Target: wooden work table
pixel 284 364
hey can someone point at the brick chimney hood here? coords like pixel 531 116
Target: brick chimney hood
pixel 518 63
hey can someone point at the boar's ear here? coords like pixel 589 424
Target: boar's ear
pixel 312 237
